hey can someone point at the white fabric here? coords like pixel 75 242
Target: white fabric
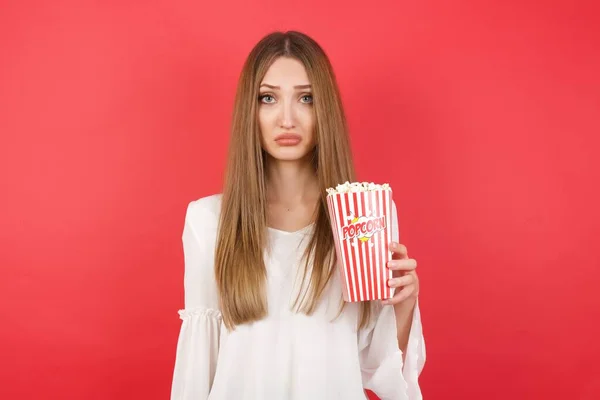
pixel 287 355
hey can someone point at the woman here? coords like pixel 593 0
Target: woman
pixel 264 316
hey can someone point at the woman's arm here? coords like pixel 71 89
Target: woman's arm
pixel 406 282
pixel 404 316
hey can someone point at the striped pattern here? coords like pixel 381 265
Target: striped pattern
pixel 362 263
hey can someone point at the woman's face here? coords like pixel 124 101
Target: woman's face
pixel 285 112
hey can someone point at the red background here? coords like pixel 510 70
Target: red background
pixel 483 116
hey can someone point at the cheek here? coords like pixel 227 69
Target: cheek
pixel 262 117
pixel 267 112
pixel 308 122
pixel 264 121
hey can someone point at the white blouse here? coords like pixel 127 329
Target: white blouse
pixel 286 355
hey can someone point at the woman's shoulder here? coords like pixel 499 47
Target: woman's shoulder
pixel 199 238
pixel 203 213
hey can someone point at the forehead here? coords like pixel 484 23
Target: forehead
pixel 286 71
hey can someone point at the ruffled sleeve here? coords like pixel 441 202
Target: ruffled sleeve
pixel 382 368
pixel 198 342
pixel 383 371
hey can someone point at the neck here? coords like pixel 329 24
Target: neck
pixel 291 182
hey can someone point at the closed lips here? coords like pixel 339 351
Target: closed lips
pixel 288 136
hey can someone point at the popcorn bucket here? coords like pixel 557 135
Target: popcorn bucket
pixel 360 216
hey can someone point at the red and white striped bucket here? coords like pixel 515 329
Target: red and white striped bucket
pixel 362 229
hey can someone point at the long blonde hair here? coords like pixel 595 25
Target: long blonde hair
pixel 242 235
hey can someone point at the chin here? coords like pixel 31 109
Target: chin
pixel 289 154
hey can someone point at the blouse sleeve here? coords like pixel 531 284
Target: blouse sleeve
pixel 198 342
pixel 382 368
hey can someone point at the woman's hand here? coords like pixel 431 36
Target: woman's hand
pixel 405 278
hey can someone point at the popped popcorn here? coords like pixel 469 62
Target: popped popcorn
pixel 354 187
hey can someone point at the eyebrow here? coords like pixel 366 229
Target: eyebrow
pixel 295 87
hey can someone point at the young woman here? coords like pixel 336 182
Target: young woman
pixel 264 317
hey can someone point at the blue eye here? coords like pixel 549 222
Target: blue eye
pixel 309 96
pixel 263 96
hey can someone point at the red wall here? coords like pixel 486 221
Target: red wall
pixel 484 117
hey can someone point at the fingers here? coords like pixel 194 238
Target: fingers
pixel 400 251
pixel 400 296
pixel 408 264
pixel 404 280
pixel 406 285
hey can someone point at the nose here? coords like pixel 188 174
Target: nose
pixel 286 115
